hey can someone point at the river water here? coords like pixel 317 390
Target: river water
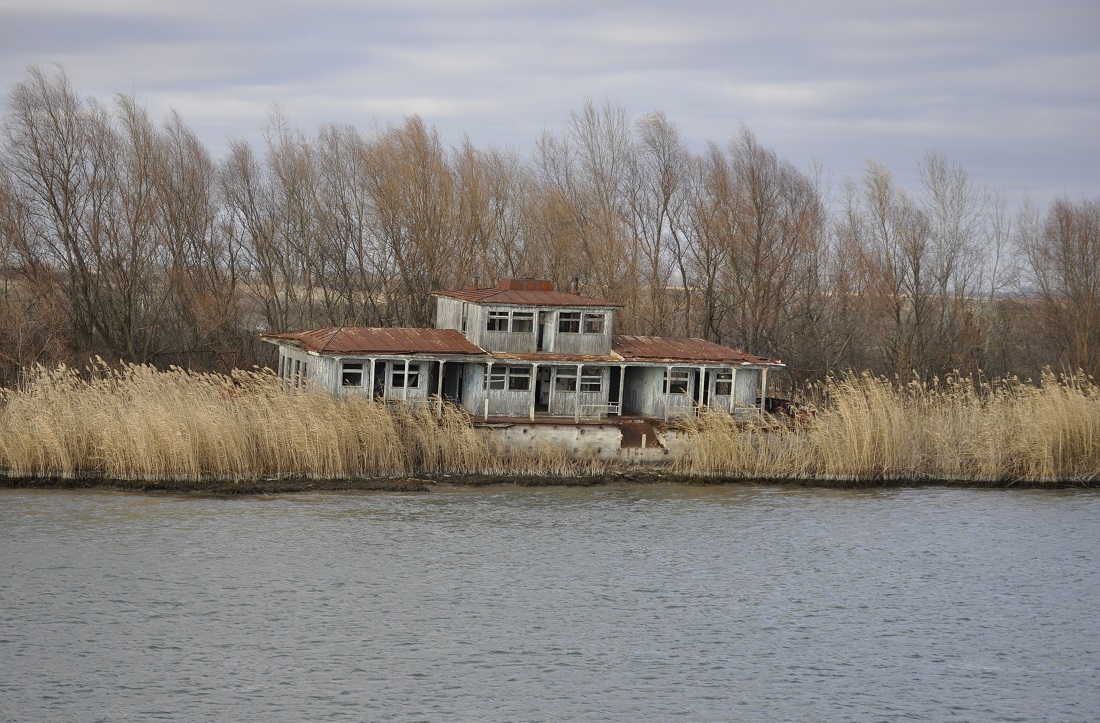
pixel 610 603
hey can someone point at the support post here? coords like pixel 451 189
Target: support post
pixel 702 385
pixel 370 379
pixel 439 391
pixel 405 386
pixel 763 388
pixel 488 389
pixel 668 389
pixel 622 382
pixel 534 388
pixel 577 398
pixel 733 389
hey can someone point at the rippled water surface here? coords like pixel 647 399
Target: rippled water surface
pixel 607 603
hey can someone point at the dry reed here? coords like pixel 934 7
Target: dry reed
pixel 135 422
pixel 868 428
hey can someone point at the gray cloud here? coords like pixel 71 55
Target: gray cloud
pixel 1007 88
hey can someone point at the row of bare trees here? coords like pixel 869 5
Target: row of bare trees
pixel 125 238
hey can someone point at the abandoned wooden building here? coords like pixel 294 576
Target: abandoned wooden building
pixel 525 350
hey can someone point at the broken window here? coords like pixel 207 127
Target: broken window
pixel 513 379
pixel 496 379
pixel 677 383
pixel 566 380
pixel 398 379
pixel 498 321
pixel 519 379
pixel 520 322
pixel 591 380
pixel 351 374
pixel 593 323
pixel 523 322
pixel 569 322
pixel 723 384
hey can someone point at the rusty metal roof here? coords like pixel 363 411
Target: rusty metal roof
pixel 524 292
pixel 657 349
pixel 365 340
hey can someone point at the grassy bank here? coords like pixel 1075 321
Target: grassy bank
pixel 139 424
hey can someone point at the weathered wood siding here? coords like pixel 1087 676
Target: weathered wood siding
pixel 643 392
pixel 525 342
pixel 502 402
pixel 746 387
pixel 564 403
pixel 316 372
pixel 448 313
pixel 476 318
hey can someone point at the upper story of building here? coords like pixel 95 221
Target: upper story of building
pixel 527 316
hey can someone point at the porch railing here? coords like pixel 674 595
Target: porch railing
pixel 595 411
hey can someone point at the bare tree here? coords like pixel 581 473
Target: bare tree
pixel 412 190
pixel 587 170
pixel 658 210
pixel 1063 261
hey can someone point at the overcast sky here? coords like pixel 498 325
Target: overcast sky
pixel 1009 88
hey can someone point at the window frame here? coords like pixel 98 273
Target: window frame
pixel 571 319
pixel 516 375
pixel 499 321
pixel 593 322
pixel 348 371
pixel 677 378
pixel 524 318
pixel 507 378
pixel 591 380
pixel 565 380
pixel 399 371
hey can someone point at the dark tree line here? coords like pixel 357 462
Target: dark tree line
pixel 123 237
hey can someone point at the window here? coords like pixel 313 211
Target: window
pixel 498 321
pixel 514 379
pixel 723 384
pixel 519 379
pixel 519 322
pixel 566 380
pixel 569 322
pixel 591 380
pixel 523 322
pixel 351 374
pixel 497 379
pixel 678 384
pixel 398 379
pixel 593 323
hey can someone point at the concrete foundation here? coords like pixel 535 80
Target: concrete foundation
pixel 603 441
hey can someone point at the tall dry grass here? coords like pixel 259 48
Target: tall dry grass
pixel 137 422
pixel 958 429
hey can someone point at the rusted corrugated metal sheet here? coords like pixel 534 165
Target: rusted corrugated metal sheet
pixel 366 340
pixel 680 350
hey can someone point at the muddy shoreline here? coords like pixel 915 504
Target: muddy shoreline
pixel 426 482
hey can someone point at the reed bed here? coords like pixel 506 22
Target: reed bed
pixel 136 422
pixel 959 429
